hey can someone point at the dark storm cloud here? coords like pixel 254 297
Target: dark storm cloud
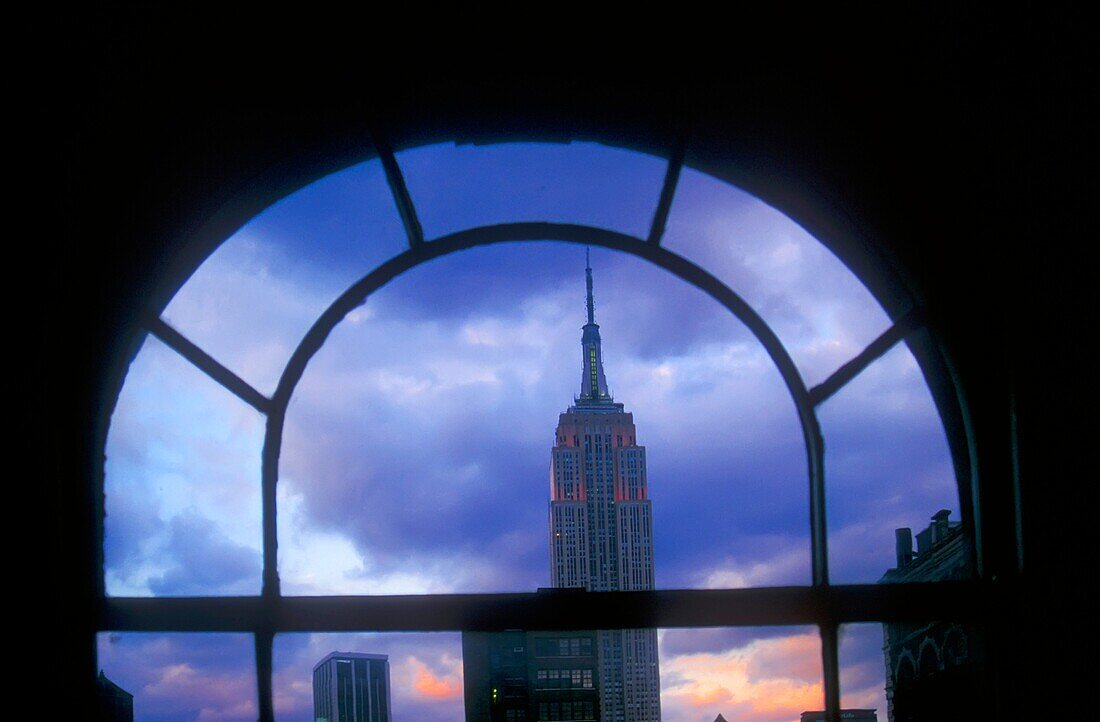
pixel 203 560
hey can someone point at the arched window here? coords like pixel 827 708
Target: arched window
pixel 213 511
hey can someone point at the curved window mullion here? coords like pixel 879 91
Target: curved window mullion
pixel 678 266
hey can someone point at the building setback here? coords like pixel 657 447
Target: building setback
pixel 352 687
pixel 601 527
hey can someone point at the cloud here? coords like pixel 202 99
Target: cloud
pixel 774 678
pixel 788 563
pixel 202 559
pixel 177 677
pixel 435 687
pixel 817 307
pixel 862 668
pixel 181 449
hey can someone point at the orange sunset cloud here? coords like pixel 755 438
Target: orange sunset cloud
pixel 767 680
pixel 433 686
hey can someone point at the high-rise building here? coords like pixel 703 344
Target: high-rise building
pixel 352 687
pixel 601 527
pixel 530 676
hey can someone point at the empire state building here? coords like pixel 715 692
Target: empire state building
pixel 601 527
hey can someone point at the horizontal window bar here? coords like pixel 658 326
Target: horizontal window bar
pixel 556 609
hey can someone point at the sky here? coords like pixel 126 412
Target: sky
pixel 417 445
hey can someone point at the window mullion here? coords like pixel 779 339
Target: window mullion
pixel 668 190
pixel 911 321
pixel 400 190
pixel 263 641
pixel 830 667
pixel 208 365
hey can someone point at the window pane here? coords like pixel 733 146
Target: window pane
pixel 888 467
pixel 915 671
pixel 394 676
pixel 182 483
pixel 169 677
pixel 745 674
pixel 818 308
pixel 463 186
pixel 419 445
pixel 250 303
pixel 862 670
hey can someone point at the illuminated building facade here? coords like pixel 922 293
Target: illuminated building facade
pixel 601 527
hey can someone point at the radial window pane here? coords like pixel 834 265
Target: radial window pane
pixel 175 677
pixel 379 677
pixel 890 490
pixel 819 309
pixel 455 435
pixel 182 483
pixel 748 674
pixel 251 302
pixel 931 670
pixel 863 663
pixel 461 186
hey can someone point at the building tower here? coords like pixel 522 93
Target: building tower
pixel 352 687
pixel 601 527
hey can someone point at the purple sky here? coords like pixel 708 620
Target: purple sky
pixel 417 444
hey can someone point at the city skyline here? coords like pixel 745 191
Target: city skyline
pixel 477 336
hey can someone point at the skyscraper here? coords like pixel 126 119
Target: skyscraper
pixel 352 687
pixel 601 527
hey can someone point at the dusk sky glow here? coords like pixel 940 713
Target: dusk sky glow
pixel 417 444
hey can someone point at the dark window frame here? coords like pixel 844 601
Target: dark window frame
pixel 821 604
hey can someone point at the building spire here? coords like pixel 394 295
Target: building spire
pixel 588 281
pixel 593 383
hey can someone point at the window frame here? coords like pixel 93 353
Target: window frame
pixel 822 604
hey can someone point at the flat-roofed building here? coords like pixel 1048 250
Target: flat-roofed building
pixel 352 687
